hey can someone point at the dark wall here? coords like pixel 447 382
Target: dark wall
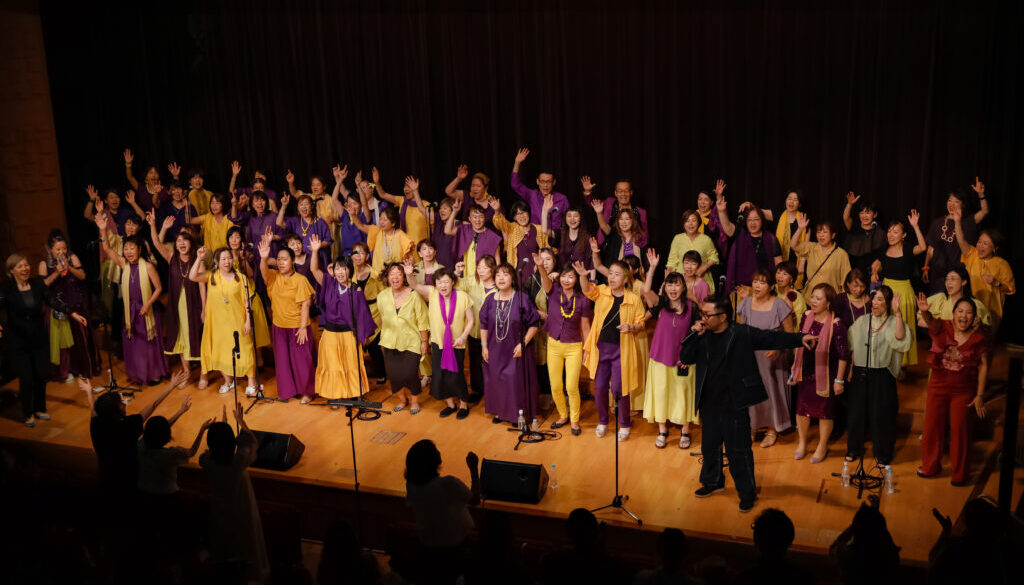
pixel 902 104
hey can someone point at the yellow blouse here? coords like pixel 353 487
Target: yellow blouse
pixel 215 235
pixel 941 307
pixel 437 326
pixel 783 235
pixel 681 244
pixel 475 290
pixel 400 329
pixel 387 249
pixel 287 293
pixel 200 199
pixel 998 268
pixel 513 234
pixel 631 311
pixel 832 272
pixel 415 222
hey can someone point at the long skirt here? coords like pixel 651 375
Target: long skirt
pixel 144 359
pixel 183 341
pixel 445 384
pixel 293 363
pixel 402 369
pixel 669 397
pixel 340 372
pixel 908 308
pixel 82 357
pixel 636 398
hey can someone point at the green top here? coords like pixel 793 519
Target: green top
pixel 886 350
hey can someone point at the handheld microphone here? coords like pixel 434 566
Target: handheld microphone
pixel 237 348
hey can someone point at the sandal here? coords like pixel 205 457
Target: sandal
pixel 661 441
pixel 684 441
pixel 622 435
pixel 770 438
pixel 398 407
pixel 306 400
pixel 601 430
pixel 203 383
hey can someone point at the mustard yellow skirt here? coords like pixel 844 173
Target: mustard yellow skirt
pixel 908 308
pixel 340 372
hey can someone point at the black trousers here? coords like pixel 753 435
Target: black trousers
pixel 33 365
pixel 476 365
pixel 376 358
pixel 732 427
pixel 873 403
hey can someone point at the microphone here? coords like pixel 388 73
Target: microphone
pixel 237 348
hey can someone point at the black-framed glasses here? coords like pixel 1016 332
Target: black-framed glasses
pixel 709 315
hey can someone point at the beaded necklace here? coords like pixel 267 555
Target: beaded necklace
pixel 561 307
pixel 502 317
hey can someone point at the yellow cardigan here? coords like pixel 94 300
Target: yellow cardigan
pixel 631 311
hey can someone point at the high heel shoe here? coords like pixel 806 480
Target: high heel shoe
pixel 816 459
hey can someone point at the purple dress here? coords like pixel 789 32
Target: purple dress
pixel 808 403
pixel 181 217
pixel 255 227
pixel 572 251
pixel 847 311
pixel 178 282
pixel 525 250
pixel 144 359
pixel 747 255
pixel 83 358
pixel 319 227
pixel 774 412
pixel 445 244
pixel 511 382
pixel 488 242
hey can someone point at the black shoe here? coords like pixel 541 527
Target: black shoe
pixel 706 490
pixel 497 420
pixel 474 397
pixel 447 411
pixel 558 425
pixel 960 483
pixel 577 431
pixel 747 505
pixel 463 413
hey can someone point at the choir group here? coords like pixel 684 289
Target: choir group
pixel 536 301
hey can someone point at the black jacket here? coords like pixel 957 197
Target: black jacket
pixel 24 328
pixel 745 385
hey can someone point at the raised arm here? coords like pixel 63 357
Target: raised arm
pixel 650 297
pixel 449 226
pixel 314 259
pixel 923 311
pixel 86 386
pixel 602 223
pixel 545 278
pixel 176 379
pixel 584 276
pixel 198 271
pixel 958 230
pixel 165 251
pixel 339 189
pixel 199 438
pixel 979 188
pixel 728 227
pixel 94 198
pixel 380 188
pixel 129 197
pixel 285 198
pixel 128 159
pixel 236 168
pixel 290 178
pixel 410 268
pixel 264 250
pixel 102 222
pixel 452 190
pixel 186 404
pixel 802 221
pixel 914 218
pixel 851 198
pixel 414 192
pixel 595 253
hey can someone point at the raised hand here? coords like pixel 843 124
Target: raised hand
pixel 914 217
pixel 375 174
pixel 168 222
pixel 408 266
pixel 336 171
pixel 538 260
pixel 958 214
pixel 494 203
pixel 802 220
pixel 151 218
pixel 341 174
pixel 549 202
pixel 130 196
pixel 721 205
pixel 290 177
pixel 456 206
pixel 264 247
pixel 176 379
pixel 359 177
pixel 100 220
pixel 186 401
pixel 460 267
pixel 314 243
pixel 462 172
pixel 598 205
pixel 91 191
pixel 978 187
pixel 652 258
pixel 719 188
pixel 412 183
pixel 851 198
pixel 472 461
pixel 128 156
pixel 201 252
pixel 522 154
pixel 594 247
pixel 174 168
pixel 922 302
pixel 895 305
pixel 580 269
pixel 285 199
pixel 587 184
pixel 236 168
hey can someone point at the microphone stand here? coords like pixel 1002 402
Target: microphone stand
pixel 862 479
pixel 353 410
pixel 236 352
pixel 619 498
pixel 526 432
pixel 259 398
pixel 112 384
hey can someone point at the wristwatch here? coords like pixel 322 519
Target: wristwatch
pixel 840 381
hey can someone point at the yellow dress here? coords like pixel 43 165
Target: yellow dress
pixel 977 268
pixel 215 235
pixel 259 312
pixel 387 249
pixel 415 222
pixel 225 314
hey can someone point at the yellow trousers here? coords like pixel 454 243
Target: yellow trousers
pixel 567 356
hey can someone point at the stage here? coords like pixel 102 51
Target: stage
pixel 659 483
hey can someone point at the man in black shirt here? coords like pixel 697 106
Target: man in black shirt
pixel 728 383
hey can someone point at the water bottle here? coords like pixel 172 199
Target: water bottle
pixel 553 477
pixel 535 425
pixel 846 473
pixel 890 484
pixel 521 421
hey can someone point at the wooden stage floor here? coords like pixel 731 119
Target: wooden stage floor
pixel 659 483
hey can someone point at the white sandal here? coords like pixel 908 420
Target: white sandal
pixel 601 430
pixel 623 435
pixel 225 388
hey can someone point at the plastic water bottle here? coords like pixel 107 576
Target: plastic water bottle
pixel 890 483
pixel 846 473
pixel 521 422
pixel 535 425
pixel 553 477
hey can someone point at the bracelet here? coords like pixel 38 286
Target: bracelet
pixel 925 268
pixel 483 343
pixel 981 197
pixel 840 381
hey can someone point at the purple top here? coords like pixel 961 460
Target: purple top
pixel 536 201
pixel 469 203
pixel 256 225
pixel 745 260
pixel 557 326
pixel 486 245
pixel 305 230
pixel 349 233
pixel 144 199
pixel 120 217
pixel 847 312
pixel 445 244
pixel 612 210
pixel 522 315
pixel 569 251
pixel 672 328
pixel 180 215
pixel 336 309
pixel 525 250
pixel 271 194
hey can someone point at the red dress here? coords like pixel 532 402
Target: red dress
pixel 951 388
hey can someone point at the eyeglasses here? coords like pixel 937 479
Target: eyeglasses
pixel 709 315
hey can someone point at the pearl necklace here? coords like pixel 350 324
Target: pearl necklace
pixel 502 317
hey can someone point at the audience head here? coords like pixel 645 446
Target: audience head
pixel 157 432
pixel 220 440
pixel 773 533
pixel 109 406
pixel 583 529
pixel 672 549
pixel 422 462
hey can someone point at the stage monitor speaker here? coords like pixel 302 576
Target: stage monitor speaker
pixel 277 451
pixel 507 481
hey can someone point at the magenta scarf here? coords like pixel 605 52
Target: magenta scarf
pixel 448 361
pixel 822 379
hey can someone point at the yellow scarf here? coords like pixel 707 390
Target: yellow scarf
pixel 147 290
pixel 783 235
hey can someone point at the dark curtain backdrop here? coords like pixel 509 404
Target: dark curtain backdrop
pixel 899 102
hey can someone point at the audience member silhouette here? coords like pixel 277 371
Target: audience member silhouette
pixel 343 561
pixel 585 560
pixel 979 555
pixel 495 560
pixel 865 551
pixel 672 551
pixel 773 535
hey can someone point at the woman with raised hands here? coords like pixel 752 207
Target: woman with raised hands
pixel 669 388
pixel 865 241
pixel 404 336
pixel 291 296
pixel 346 325
pixel 567 325
pixel 154 192
pixel 895 267
pixel 412 218
pixel 991 276
pixel 943 246
pixel 620 243
pixel 786 224
pixel 958 286
pixel 477 192
pixel 322 205
pixel 388 243
pixel 690 239
pixel 752 247
pixel 307 224
pixel 438 221
pixel 186 299
pixel 825 261
pixel 522 238
pixel 959 368
pixel 574 240
pixel 877 342
pixel 72 347
pixel 142 337
pixel 473 239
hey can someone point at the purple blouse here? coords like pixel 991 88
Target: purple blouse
pixel 669 334
pixel 181 217
pixel 747 255
pixel 305 231
pixel 560 328
pixel 487 242
pixel 536 201
pixel 445 244
pixel 336 309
